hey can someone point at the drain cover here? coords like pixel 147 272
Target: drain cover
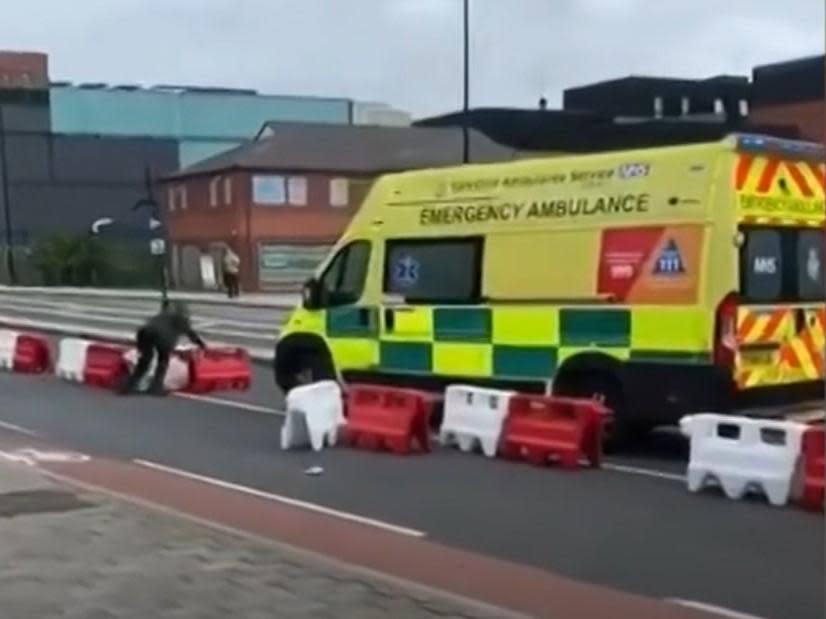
pixel 26 502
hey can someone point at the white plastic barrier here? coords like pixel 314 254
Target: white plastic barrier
pixel 314 414
pixel 742 454
pixel 71 358
pixel 177 374
pixel 474 414
pixel 8 345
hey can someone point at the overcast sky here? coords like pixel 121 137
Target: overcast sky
pixel 408 52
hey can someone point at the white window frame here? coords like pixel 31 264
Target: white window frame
pixel 281 194
pixel 335 192
pixel 171 197
pixel 297 197
pixel 227 187
pixel 213 190
pixel 184 197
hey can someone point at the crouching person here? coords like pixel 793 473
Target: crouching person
pixel 159 336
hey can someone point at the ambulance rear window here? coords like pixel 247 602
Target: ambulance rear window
pixel 781 265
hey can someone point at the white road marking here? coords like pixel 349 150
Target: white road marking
pixel 33 457
pixel 255 408
pixel 313 507
pixel 711 608
pixel 16 428
pixel 635 470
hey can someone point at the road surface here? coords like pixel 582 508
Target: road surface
pixel 631 527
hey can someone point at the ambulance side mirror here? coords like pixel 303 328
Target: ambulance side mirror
pixel 311 294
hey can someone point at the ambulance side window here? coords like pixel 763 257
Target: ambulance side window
pixel 434 271
pixel 810 280
pixel 342 282
pixel 761 266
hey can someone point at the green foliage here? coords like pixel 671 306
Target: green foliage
pixel 71 260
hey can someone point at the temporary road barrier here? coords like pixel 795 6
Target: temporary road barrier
pixel 813 447
pixel 397 419
pixel 23 352
pixel 177 374
pixel 474 415
pixel 314 415
pixel 540 428
pixel 91 363
pixel 219 369
pixel 742 454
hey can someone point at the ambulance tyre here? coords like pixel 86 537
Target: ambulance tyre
pixel 301 359
pixel 603 385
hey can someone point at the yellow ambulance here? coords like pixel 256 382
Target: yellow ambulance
pixel 664 281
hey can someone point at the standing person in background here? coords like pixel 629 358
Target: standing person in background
pixel 231 265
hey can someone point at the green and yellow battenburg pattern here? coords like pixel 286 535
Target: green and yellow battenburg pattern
pixel 507 342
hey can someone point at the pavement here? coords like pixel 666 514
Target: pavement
pixel 73 554
pixel 631 527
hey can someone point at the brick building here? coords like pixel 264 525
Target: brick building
pixel 283 200
pixel 792 92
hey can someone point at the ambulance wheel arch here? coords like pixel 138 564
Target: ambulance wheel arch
pixel 302 357
pixel 595 375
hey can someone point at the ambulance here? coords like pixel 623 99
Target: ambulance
pixel 662 281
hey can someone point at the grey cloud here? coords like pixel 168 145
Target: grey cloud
pixel 408 52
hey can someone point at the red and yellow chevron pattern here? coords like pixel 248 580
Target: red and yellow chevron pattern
pixel 779 192
pixel 790 353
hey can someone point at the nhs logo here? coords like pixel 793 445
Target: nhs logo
pixel 633 170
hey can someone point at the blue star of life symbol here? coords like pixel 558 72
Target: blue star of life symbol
pixel 406 271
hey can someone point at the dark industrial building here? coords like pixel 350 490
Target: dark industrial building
pixel 631 112
pixel 792 92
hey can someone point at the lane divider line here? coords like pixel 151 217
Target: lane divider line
pixel 254 408
pixel 15 428
pixel 711 608
pixel 636 470
pixel 313 507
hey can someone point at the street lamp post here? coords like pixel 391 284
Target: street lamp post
pixel 466 82
pixel 7 218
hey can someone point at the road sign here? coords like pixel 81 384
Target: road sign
pixel 157 247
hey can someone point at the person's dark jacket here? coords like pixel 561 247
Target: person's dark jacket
pixel 169 326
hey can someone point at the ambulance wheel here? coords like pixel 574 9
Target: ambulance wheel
pixel 619 432
pixel 301 361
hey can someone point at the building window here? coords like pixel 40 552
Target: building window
pixel 268 190
pixel 658 107
pixel 719 108
pixel 297 190
pixel 339 192
pixel 213 191
pixel 227 190
pixel 171 194
pixel 182 196
pixel 744 108
pixel 685 106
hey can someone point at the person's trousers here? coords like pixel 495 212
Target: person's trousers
pixel 148 345
pixel 231 283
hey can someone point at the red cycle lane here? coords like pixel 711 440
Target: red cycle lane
pixel 399 556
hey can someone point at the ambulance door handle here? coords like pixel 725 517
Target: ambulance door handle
pixel 389 319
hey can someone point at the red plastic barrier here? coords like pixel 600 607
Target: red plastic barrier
pixel 539 428
pixel 398 419
pixel 31 354
pixel 105 366
pixel 814 445
pixel 218 369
